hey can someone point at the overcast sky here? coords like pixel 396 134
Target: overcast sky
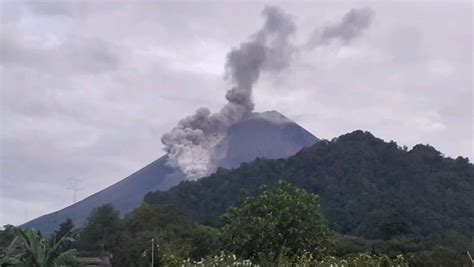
pixel 88 88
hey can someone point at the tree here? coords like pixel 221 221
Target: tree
pixel 438 256
pixel 169 230
pixel 283 220
pixel 205 240
pixel 102 224
pixel 393 225
pixel 64 228
pixel 65 231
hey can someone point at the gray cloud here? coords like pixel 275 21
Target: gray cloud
pixel 73 55
pixel 52 8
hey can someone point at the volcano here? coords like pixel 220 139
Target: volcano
pixel 262 135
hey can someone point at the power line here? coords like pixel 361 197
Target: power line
pixel 74 188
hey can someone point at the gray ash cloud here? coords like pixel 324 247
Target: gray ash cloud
pixel 351 26
pixel 190 144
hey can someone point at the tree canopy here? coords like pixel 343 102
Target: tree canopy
pixel 283 220
pixel 103 222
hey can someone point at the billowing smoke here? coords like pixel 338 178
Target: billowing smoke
pixel 190 144
pixel 350 27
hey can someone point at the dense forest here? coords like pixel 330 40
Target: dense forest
pixel 368 188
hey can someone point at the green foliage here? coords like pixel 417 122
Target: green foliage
pixel 103 222
pixel 229 259
pixel 7 234
pixel 65 232
pixel 29 249
pixel 132 250
pixel 282 226
pixel 393 225
pixel 283 219
pixel 357 260
pixel 438 256
pixel 12 254
pixel 64 228
pixel 149 217
pixel 384 201
pixel 350 244
pixel 205 240
pixel 171 232
pixel 219 260
pixel 367 188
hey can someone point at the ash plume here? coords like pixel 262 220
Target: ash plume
pixel 190 144
pixel 350 27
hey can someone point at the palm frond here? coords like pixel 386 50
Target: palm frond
pixel 66 258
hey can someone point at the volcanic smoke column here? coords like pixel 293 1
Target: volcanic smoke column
pixel 190 144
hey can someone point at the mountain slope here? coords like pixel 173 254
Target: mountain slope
pixel 268 135
pixel 368 188
pixel 125 196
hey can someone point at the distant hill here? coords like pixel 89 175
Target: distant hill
pixel 368 188
pixel 268 135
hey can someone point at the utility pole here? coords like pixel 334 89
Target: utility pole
pixel 152 252
pixel 74 188
pixel 470 257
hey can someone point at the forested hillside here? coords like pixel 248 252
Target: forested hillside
pixel 368 188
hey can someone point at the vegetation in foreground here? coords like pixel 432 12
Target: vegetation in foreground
pixel 28 248
pixel 281 226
